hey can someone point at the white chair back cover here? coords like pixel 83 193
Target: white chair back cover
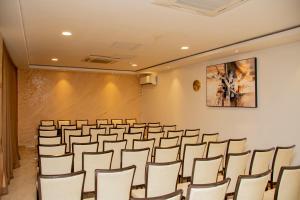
pixel 78 149
pixel 141 144
pixel 168 142
pixel 166 154
pixel 102 138
pixel 49 140
pixel 130 137
pixel 86 129
pixel 116 146
pixel 52 150
pixel 55 165
pixel 95 132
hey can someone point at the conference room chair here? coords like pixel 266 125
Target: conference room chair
pixel 130 137
pixel 212 191
pixel 192 132
pixel 68 133
pixel 79 123
pixel 288 185
pixel 90 162
pixel 141 144
pixel 94 132
pixel 217 148
pixel 193 139
pixel 130 121
pixel 154 124
pixel 116 146
pixel 236 145
pixel 210 137
pixel 52 150
pixel 107 127
pixel 48 127
pixel 101 138
pixel 172 196
pixel 49 140
pixel 78 139
pixel 118 131
pixel 78 149
pixel 47 122
pixel 116 121
pixel 137 130
pixel 176 133
pixel 66 127
pixel 156 136
pixel 138 158
pixel 101 121
pixel 168 142
pixel 161 179
pixel 261 161
pixel 166 154
pixel 86 128
pixel 114 184
pixel 251 187
pixel 154 128
pixel 167 128
pixel 139 125
pixel 283 157
pixel 126 126
pixel 63 187
pixel 47 133
pixel 61 123
pixel 55 165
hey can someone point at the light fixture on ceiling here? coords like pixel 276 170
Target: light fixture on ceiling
pixel 66 33
pixel 236 51
pixel 134 65
pixel 184 48
pixel 54 59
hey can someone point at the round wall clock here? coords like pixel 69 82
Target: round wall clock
pixel 196 85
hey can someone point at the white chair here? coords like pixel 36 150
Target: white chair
pixel 187 140
pixel 210 137
pixel 130 121
pixel 126 126
pixel 156 137
pixel 92 161
pixel 236 145
pixel 137 130
pixel 177 133
pixel 130 137
pixel 213 191
pixel 55 165
pixel 78 149
pixel 102 138
pixel 86 129
pixel 45 128
pixel 236 165
pixel 94 132
pixel 251 187
pixel 166 154
pixel 47 122
pixel 114 184
pixel 172 196
pixel 154 129
pixel 49 140
pixel 62 187
pixel 48 133
pixel 52 150
pixel 116 146
pixel 139 125
pixel 283 157
pixel 141 144
pixel 288 185
pixel 118 131
pixel 61 123
pixel 192 132
pixel 260 161
pixel 79 123
pixel 138 158
pixel 154 124
pixel 167 128
pixel 217 148
pixel 71 132
pixel 107 127
pixel 161 179
pixel 116 121
pixel 66 127
pixel 78 139
pixel 168 142
pixel 101 121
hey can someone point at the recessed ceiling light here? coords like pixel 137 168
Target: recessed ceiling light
pixel 54 59
pixel 184 48
pixel 236 51
pixel 66 33
pixel 134 65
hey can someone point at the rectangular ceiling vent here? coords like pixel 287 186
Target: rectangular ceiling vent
pixel 204 7
pixel 101 59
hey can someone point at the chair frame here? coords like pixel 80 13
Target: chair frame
pixel 50 156
pixel 186 130
pixel 53 121
pixel 167 196
pixel 234 140
pixel 59 127
pixel 208 134
pixel 77 136
pixel 218 142
pixel 172 147
pixel 253 156
pixel 170 139
pixel 48 137
pixel 51 145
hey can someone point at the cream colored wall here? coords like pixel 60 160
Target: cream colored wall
pixel 56 95
pixel 276 121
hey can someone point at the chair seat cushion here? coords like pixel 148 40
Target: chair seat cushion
pixel 138 193
pixel 183 187
pixel 269 195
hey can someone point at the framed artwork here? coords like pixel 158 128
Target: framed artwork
pixel 232 84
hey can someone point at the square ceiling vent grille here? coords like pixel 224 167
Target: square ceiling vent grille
pixel 204 7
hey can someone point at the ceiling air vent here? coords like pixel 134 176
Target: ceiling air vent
pixel 204 7
pixel 101 59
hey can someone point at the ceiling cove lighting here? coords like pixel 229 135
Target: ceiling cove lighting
pixel 184 48
pixel 66 33
pixel 54 59
pixel 134 65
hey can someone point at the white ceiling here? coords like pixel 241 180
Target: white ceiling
pixel 32 30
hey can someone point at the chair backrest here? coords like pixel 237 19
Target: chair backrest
pixel 193 139
pixel 71 132
pixel 251 187
pixel 101 121
pixel 61 123
pixel 66 186
pixel 47 122
pixel 168 142
pixel 79 123
pixel 49 127
pixel 116 146
pixel 92 161
pixel 141 144
pixel 114 184
pixel 137 130
pixel 102 138
pixel 288 184
pixel 154 129
pixel 191 151
pixel 172 196
pixel 78 139
pixel 48 133
pixel 153 123
pixel 236 145
pixel 283 157
pixel 95 132
pixel 192 132
pixel 126 126
pixel 139 125
pixel 166 154
pixel 210 137
pixel 167 128
pixel 217 148
pixel 212 191
pixel 130 137
pixel 161 178
pixel 177 133
pixel 49 140
pixel 116 121
pixel 236 165
pixel 156 137
pixel 118 131
pixel 86 129
pixel 107 127
pixel 138 158
pixel 205 170
pixel 78 149
pixel 52 150
pixel 130 121
pixel 63 128
pixel 261 161
pixel 55 165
